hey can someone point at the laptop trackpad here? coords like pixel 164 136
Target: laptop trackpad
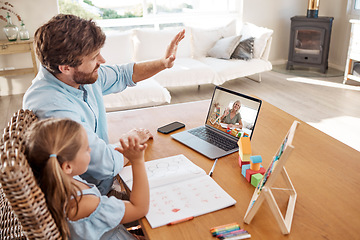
pixel 199 145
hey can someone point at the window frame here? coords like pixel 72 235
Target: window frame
pixel 156 20
pixel 351 7
pixel 202 18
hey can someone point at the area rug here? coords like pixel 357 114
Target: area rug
pixel 307 71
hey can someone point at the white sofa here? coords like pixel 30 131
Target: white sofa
pixel 192 66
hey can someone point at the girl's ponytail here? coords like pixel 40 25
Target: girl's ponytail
pixel 59 191
pixel 50 143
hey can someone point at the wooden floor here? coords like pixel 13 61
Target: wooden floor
pixel 324 103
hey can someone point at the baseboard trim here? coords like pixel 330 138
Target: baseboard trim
pixel 284 61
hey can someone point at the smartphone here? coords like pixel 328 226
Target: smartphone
pixel 171 127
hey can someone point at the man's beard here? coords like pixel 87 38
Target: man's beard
pixel 86 78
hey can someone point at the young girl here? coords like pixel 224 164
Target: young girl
pixel 58 152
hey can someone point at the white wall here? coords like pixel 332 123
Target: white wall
pixel 34 13
pixel 276 14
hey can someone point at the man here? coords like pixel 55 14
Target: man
pixel 72 81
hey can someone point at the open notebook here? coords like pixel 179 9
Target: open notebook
pixel 179 189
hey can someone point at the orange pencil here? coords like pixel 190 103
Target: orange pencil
pixel 180 221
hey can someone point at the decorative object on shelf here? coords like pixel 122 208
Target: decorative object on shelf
pixel 8 8
pixel 313 9
pixel 23 32
pixel 11 30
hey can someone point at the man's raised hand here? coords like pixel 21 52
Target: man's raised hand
pixel 171 50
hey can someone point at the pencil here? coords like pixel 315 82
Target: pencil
pixel 180 221
pixel 213 167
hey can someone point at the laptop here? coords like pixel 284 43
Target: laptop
pixel 219 136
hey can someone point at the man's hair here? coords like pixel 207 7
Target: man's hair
pixel 65 40
pixel 48 144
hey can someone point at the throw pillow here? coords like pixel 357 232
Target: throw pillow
pixel 204 39
pixel 151 44
pixel 224 47
pixel 244 50
pixel 118 48
pixel 260 34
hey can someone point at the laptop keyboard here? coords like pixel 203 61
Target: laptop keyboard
pixel 214 138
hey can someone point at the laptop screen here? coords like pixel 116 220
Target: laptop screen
pixel 233 113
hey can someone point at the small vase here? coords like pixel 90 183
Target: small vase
pixel 11 30
pixel 23 33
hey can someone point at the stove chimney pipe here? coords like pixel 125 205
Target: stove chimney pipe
pixel 313 9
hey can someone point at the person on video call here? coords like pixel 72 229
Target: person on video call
pixel 232 116
pixel 72 81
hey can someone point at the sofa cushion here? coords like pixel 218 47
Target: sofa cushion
pixel 224 47
pixel 260 34
pixel 234 68
pixel 186 72
pixel 244 50
pixel 204 39
pixel 151 43
pixel 118 48
pixel 145 94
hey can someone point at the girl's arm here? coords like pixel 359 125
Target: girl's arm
pixel 138 206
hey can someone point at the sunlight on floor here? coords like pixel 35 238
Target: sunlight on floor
pixel 345 129
pixel 323 83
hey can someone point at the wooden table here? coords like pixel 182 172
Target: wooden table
pixel 324 172
pixel 19 46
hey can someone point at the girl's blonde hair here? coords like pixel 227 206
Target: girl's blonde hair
pixel 60 138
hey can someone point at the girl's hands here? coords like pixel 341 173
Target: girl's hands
pixel 132 149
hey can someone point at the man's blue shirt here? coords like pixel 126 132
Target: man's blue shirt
pixel 49 97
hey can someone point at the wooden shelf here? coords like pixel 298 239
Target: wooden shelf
pixel 353 51
pixel 19 71
pixel 353 77
pixel 19 46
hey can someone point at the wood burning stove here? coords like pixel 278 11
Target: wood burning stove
pixel 310 39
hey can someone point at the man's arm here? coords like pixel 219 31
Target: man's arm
pixel 144 70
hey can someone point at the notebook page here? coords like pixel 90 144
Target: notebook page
pixel 165 171
pixel 184 199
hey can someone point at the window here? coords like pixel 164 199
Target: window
pixel 357 5
pixel 354 7
pixel 159 14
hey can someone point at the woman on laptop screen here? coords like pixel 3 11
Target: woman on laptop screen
pixel 232 116
pixel 235 115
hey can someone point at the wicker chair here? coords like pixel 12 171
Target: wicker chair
pixel 24 213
